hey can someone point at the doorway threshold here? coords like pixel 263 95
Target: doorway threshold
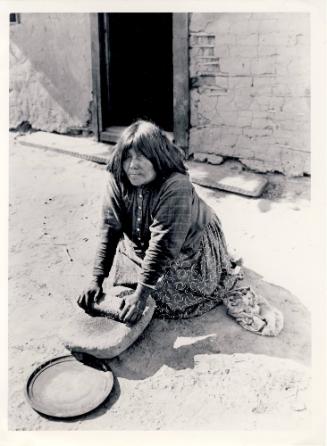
pixel 112 134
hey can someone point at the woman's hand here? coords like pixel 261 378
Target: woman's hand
pixel 132 307
pixel 91 295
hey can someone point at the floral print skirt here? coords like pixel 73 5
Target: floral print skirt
pixel 192 284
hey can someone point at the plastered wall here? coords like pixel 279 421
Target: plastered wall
pixel 50 71
pixel 250 89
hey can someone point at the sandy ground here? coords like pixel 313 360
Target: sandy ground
pixel 204 373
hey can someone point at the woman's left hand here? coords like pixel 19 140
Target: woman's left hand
pixel 131 308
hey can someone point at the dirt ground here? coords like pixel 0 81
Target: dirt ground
pixel 202 373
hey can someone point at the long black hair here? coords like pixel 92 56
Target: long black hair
pixel 148 139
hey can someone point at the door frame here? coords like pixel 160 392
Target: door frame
pixel 181 92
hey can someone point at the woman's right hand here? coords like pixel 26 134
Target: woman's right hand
pixel 91 295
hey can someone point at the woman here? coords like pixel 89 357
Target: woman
pixel 159 237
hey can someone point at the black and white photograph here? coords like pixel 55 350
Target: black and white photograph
pixel 163 272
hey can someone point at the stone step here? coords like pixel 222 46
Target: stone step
pixel 224 178
pixel 85 148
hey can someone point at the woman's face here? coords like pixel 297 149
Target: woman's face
pixel 138 168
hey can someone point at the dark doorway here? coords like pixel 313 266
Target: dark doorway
pixel 139 69
pixel 129 83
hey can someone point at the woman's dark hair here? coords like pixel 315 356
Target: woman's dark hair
pixel 149 140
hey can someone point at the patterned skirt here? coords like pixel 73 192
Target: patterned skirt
pixel 192 284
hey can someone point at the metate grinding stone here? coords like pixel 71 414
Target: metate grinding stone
pixel 100 335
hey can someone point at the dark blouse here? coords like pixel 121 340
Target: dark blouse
pixel 161 220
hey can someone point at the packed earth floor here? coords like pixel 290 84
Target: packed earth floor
pixel 201 373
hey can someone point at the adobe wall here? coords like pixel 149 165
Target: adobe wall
pixel 50 71
pixel 250 89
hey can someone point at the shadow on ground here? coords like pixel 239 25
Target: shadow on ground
pixel 177 343
pixel 279 189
